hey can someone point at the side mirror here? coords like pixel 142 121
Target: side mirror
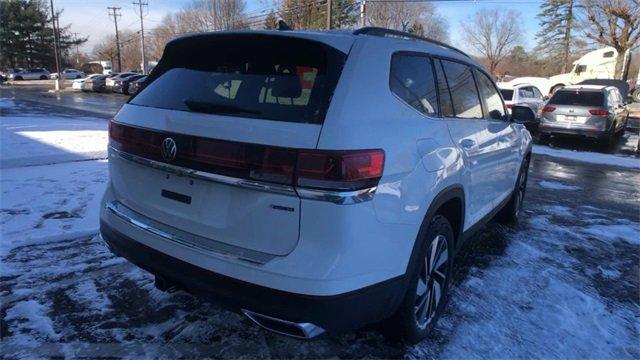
pixel 522 114
pixel 545 98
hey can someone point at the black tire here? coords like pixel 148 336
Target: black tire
pixel 43 77
pixel 406 323
pixel 543 138
pixel 18 78
pixel 510 213
pixel 608 141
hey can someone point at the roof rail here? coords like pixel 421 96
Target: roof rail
pixel 383 32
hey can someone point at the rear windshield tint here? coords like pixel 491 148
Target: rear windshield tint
pixel 577 98
pixel 507 94
pixel 257 76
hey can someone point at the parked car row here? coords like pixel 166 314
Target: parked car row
pixel 593 109
pixel 123 83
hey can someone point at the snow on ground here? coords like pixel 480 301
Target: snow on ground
pixel 555 185
pixel 35 139
pixel 40 203
pixel 589 156
pixel 561 284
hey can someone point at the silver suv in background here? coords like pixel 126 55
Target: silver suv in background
pixel 593 111
pixel 523 95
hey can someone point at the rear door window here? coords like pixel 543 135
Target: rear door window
pixel 492 101
pixel 257 76
pixel 412 80
pixel 466 102
pixel 577 98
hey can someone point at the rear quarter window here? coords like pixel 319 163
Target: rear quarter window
pixel 577 98
pixel 412 80
pixel 258 76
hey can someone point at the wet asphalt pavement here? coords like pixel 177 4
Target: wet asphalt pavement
pixel 103 105
pixel 563 283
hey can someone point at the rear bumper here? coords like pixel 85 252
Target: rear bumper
pixel 547 128
pixel 334 313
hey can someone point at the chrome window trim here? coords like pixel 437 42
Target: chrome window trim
pixel 336 197
pixel 196 242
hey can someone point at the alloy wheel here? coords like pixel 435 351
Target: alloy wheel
pixel 431 283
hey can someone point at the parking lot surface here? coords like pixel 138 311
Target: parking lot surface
pixel 562 284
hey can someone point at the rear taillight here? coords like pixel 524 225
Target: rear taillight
pixel 339 170
pixel 548 109
pixel 318 169
pixel 599 112
pixel 509 106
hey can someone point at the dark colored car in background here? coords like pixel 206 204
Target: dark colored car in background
pixel 122 85
pixel 136 85
pixel 95 84
pixel 621 85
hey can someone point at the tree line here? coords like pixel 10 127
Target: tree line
pixel 27 35
pixel 568 29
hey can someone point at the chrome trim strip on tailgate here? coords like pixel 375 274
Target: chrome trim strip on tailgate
pixel 209 246
pixel 181 171
pixel 336 197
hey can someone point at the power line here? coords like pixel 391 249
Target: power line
pixel 141 4
pixel 115 13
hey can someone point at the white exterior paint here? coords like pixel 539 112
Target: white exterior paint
pixel 330 249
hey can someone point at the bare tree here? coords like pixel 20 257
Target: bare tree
pixel 420 18
pixel 211 15
pixel 129 50
pixel 614 23
pixel 493 33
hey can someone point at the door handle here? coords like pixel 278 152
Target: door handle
pixel 467 143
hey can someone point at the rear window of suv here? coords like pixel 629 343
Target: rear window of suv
pixel 257 76
pixel 577 98
pixel 507 94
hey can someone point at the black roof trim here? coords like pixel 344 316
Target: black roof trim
pixel 383 32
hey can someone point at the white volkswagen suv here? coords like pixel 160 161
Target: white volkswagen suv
pixel 314 181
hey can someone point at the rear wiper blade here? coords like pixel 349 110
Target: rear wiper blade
pixel 211 108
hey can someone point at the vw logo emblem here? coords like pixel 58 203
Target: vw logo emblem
pixel 168 149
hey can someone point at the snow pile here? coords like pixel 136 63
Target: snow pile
pixel 587 156
pixel 555 185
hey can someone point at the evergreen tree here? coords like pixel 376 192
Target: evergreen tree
pixel 270 22
pixel 557 19
pixel 26 35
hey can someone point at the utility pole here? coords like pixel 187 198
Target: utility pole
pixel 75 39
pixel 55 46
pixel 363 12
pixel 142 3
pixel 116 14
pixel 328 14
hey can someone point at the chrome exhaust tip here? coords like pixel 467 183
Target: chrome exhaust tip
pixel 283 327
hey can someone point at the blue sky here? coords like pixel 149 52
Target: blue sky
pixel 89 17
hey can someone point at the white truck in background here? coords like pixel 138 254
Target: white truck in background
pixel 600 64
